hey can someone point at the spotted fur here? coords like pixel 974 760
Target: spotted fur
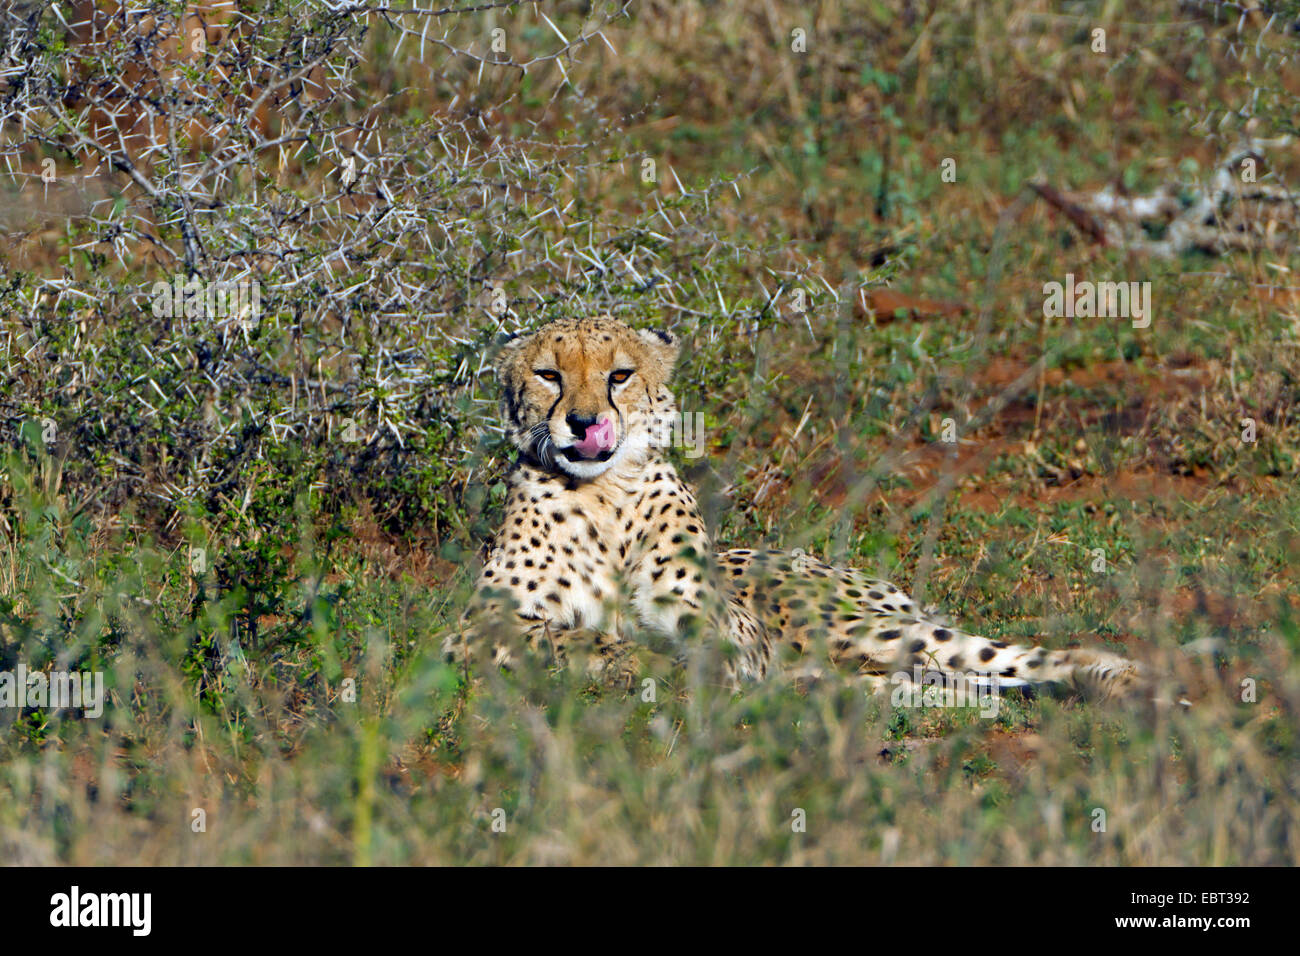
pixel 594 551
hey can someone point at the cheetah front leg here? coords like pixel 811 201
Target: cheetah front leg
pixel 495 633
pixel 676 596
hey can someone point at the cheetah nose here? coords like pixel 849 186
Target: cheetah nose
pixel 578 424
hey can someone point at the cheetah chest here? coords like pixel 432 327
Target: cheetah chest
pixel 556 561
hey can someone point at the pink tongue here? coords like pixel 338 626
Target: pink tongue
pixel 600 437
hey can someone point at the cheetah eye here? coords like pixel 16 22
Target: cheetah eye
pixel 547 374
pixel 619 376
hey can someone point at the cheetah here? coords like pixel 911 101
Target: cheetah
pixel 603 541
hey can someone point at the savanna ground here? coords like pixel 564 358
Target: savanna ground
pixel 241 524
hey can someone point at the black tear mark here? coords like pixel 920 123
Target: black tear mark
pixel 609 396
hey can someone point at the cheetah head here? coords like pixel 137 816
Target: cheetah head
pixel 581 395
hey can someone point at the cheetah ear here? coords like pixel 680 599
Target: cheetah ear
pixel 663 344
pixel 508 346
